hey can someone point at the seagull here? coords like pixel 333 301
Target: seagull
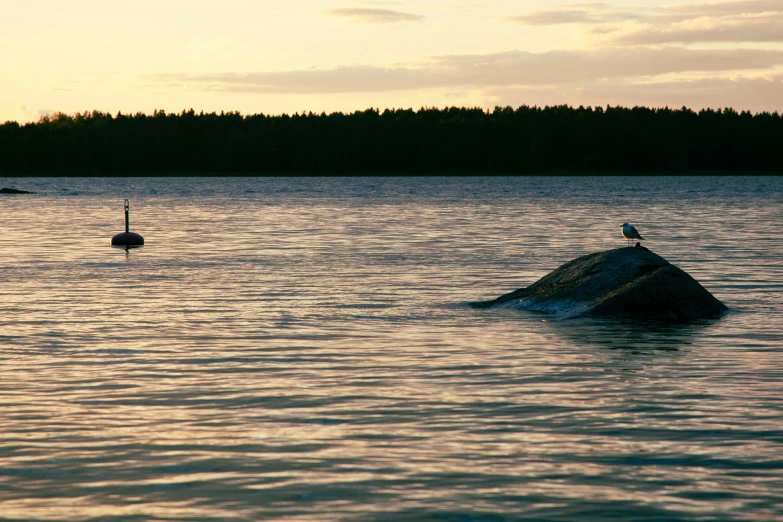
pixel 630 232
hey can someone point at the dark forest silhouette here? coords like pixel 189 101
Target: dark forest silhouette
pixel 427 141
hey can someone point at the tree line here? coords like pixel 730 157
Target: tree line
pixel 428 141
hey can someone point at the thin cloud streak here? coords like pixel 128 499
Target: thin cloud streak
pixel 373 15
pixel 556 17
pixel 736 21
pixel 514 68
pixel 602 13
pixel 585 13
pixel 767 27
pixel 725 8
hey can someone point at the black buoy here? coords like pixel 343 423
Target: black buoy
pixel 127 238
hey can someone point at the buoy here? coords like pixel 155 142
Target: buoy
pixel 127 238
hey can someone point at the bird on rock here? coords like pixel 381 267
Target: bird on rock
pixel 630 232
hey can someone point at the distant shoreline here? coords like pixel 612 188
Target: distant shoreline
pixel 558 140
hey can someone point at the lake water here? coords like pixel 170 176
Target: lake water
pixel 302 349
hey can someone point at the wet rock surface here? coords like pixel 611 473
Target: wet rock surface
pixel 626 282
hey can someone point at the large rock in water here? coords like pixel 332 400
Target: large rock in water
pixel 626 282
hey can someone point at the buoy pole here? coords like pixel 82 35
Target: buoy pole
pixel 127 239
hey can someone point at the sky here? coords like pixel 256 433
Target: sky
pixel 286 56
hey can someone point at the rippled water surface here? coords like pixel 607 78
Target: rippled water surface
pixel 302 349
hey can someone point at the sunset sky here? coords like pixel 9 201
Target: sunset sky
pixel 332 55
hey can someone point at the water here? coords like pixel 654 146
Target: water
pixel 302 349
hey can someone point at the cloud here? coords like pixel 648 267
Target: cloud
pixel 764 27
pixel 345 79
pixel 736 21
pixel 744 93
pixel 724 8
pixel 514 68
pixel 373 15
pixel 519 67
pixel 595 13
pixel 555 17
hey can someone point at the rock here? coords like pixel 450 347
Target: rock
pixel 6 190
pixel 626 282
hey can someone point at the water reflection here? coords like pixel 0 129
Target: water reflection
pixel 623 334
pixel 127 249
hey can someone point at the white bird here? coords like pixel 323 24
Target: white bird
pixel 630 232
